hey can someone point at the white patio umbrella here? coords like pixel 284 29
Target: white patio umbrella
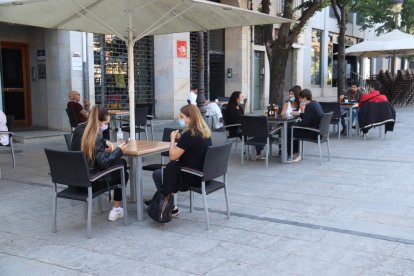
pixel 394 43
pixel 130 20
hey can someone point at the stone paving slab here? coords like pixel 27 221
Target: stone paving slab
pixel 354 215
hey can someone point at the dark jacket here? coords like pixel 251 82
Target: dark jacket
pixel 373 114
pixel 312 115
pixel 232 115
pixel 103 160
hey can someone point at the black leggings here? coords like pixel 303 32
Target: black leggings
pixel 114 178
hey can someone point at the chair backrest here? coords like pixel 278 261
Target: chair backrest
pixel 10 122
pixel 68 167
pixel 324 124
pixel 254 126
pixel 335 107
pixel 216 161
pixel 68 140
pixel 166 134
pixel 72 118
pixel 147 105
pixel 141 116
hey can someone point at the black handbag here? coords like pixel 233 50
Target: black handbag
pixel 161 207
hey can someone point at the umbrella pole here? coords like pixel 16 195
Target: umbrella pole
pixel 131 81
pixel 393 65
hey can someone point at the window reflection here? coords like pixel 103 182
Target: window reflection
pixel 316 57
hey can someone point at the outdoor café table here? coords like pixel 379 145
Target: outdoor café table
pixel 349 107
pixel 284 120
pixel 115 117
pixel 136 149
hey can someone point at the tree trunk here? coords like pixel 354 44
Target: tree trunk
pixel 201 99
pixel 280 54
pixel 341 59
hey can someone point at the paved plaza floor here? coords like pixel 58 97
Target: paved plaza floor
pixel 354 215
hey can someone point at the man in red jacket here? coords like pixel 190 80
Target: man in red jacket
pixel 373 95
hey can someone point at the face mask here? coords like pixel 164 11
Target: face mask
pixel 292 99
pixel 181 122
pixel 103 127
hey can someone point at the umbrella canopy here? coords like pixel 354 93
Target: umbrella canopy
pixel 130 20
pixel 394 43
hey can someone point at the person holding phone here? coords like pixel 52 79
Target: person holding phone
pixel 102 154
pixel 187 149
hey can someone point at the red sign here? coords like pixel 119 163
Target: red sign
pixel 181 48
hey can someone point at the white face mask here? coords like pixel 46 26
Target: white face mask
pixel 103 127
pixel 181 122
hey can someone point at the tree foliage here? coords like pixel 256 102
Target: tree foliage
pixel 278 49
pixel 378 14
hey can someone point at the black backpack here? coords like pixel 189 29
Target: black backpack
pixel 161 207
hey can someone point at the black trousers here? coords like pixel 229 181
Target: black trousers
pixel 114 178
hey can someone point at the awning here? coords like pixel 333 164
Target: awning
pixel 130 20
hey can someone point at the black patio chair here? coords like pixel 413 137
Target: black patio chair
pixel 10 133
pixel 314 135
pixel 68 140
pixel 150 116
pixel 255 132
pixel 215 166
pixel 335 107
pixel 73 121
pixel 165 138
pixel 70 168
pixel 140 122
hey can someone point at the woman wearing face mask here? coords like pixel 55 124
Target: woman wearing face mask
pixel 190 150
pixel 102 154
pixel 292 104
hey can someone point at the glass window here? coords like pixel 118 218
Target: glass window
pixel 316 53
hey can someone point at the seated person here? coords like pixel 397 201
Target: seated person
pixel 311 117
pixel 373 95
pixel 4 138
pixel 212 108
pixel 214 111
pixel 292 103
pixel 76 107
pixel 353 95
pixel 102 154
pixel 190 150
pixel 232 115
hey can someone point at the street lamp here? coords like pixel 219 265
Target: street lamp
pixel 396 10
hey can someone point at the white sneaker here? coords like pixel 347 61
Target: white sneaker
pixel 296 158
pixel 114 215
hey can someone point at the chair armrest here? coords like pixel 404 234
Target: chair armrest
pixel 149 117
pixel 6 132
pixel 275 130
pixel 95 177
pixel 306 128
pixel 192 171
pixel 232 125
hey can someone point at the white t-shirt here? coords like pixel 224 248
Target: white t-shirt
pixel 289 109
pixel 192 97
pixel 4 138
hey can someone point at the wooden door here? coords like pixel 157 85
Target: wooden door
pixel 15 81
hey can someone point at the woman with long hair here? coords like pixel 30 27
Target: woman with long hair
pixel 190 151
pixel 292 103
pixel 233 114
pixel 102 154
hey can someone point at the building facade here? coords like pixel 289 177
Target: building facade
pixel 39 67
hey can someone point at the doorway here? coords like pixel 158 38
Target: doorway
pixel 216 83
pixel 15 79
pixel 258 80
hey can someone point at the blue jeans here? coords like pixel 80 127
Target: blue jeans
pixel 344 112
